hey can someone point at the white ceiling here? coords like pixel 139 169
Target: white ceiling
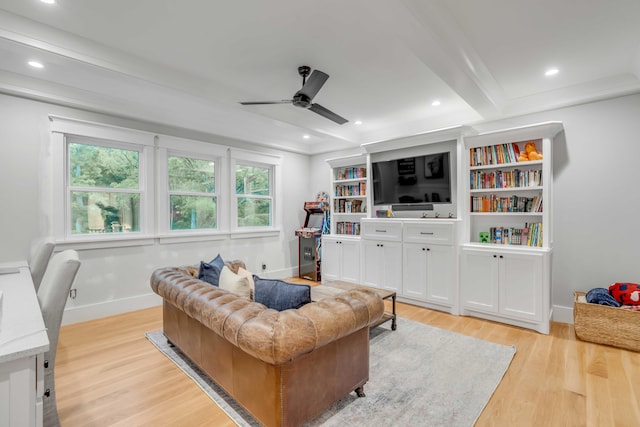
pixel 188 63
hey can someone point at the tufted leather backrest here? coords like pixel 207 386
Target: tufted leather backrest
pixel 275 337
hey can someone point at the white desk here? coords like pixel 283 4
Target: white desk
pixel 23 341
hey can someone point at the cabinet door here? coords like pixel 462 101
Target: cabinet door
pixel 372 267
pixel 331 259
pixel 414 278
pixel 350 261
pixel 521 286
pixel 382 264
pixel 479 281
pixel 441 270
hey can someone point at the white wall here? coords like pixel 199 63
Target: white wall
pixel 596 195
pixel 111 281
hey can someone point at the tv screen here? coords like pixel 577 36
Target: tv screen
pixel 421 179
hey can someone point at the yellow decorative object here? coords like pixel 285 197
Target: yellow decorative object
pixel 531 152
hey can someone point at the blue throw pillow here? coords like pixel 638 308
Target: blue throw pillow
pixel 210 272
pixel 280 295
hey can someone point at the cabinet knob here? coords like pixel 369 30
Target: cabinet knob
pixel 47 392
pixel 428 249
pixel 495 256
pixel 501 256
pixel 46 363
pixel 423 249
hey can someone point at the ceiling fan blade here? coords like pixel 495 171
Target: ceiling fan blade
pixel 314 83
pixel 288 101
pixel 319 109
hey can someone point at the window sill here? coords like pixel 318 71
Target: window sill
pixel 248 234
pixel 105 241
pixel 190 236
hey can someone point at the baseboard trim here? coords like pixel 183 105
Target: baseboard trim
pixel 562 314
pixel 109 308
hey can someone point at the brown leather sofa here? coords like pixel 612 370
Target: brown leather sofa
pixel 284 367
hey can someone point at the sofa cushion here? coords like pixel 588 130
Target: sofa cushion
pixel 210 272
pixel 244 273
pixel 280 295
pixel 234 283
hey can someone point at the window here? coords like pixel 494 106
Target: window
pixel 192 193
pixel 254 200
pixel 255 187
pixel 102 182
pixel 104 189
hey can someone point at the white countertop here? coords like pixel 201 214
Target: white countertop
pixel 22 330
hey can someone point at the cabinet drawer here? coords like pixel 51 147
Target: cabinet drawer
pixel 382 230
pixel 441 233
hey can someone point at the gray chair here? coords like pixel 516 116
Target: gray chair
pixel 39 259
pixel 52 296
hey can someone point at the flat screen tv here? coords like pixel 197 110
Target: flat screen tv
pixel 412 180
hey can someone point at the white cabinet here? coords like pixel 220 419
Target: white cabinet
pixel 382 254
pixel 340 259
pixel 508 236
pixel 429 264
pixel 508 286
pixel 382 264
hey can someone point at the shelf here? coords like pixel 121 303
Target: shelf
pixel 507 165
pixel 515 248
pixel 350 197
pixel 506 213
pixel 355 214
pixel 347 181
pixel 503 190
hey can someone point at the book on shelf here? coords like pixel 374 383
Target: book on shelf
pixel 529 235
pixel 494 154
pixel 505 179
pixel 510 204
pixel 351 173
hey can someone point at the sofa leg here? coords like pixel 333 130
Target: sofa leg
pixel 170 344
pixel 360 391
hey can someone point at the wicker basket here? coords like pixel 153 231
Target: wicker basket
pixel 606 325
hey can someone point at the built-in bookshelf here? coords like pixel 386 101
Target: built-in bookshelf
pixel 349 194
pixel 508 226
pixel 506 191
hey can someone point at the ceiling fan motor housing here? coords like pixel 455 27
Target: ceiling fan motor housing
pixel 300 100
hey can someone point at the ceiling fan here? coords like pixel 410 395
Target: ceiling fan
pixel 304 96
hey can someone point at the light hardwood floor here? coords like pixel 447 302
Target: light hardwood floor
pixel 108 374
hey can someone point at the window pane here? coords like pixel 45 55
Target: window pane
pixel 252 180
pixel 254 212
pixel 101 212
pixel 193 212
pixel 95 166
pixel 187 174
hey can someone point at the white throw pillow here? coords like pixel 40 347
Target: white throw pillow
pixel 235 284
pixel 244 273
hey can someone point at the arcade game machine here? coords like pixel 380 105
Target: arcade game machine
pixel 309 239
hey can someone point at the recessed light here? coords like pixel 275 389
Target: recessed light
pixel 306 136
pixel 435 103
pixel 48 1
pixel 36 64
pixel 551 72
pixel 358 122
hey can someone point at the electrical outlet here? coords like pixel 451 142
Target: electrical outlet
pixel 264 266
pixel 72 293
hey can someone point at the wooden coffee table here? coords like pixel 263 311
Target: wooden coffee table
pixel 331 289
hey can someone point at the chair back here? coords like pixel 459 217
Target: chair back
pixel 52 296
pixel 39 260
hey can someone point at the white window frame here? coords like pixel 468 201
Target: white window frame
pixel 250 158
pixel 172 146
pixel 65 130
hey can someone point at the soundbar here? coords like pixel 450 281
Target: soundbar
pixel 412 207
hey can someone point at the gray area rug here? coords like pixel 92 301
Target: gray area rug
pixel 419 376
